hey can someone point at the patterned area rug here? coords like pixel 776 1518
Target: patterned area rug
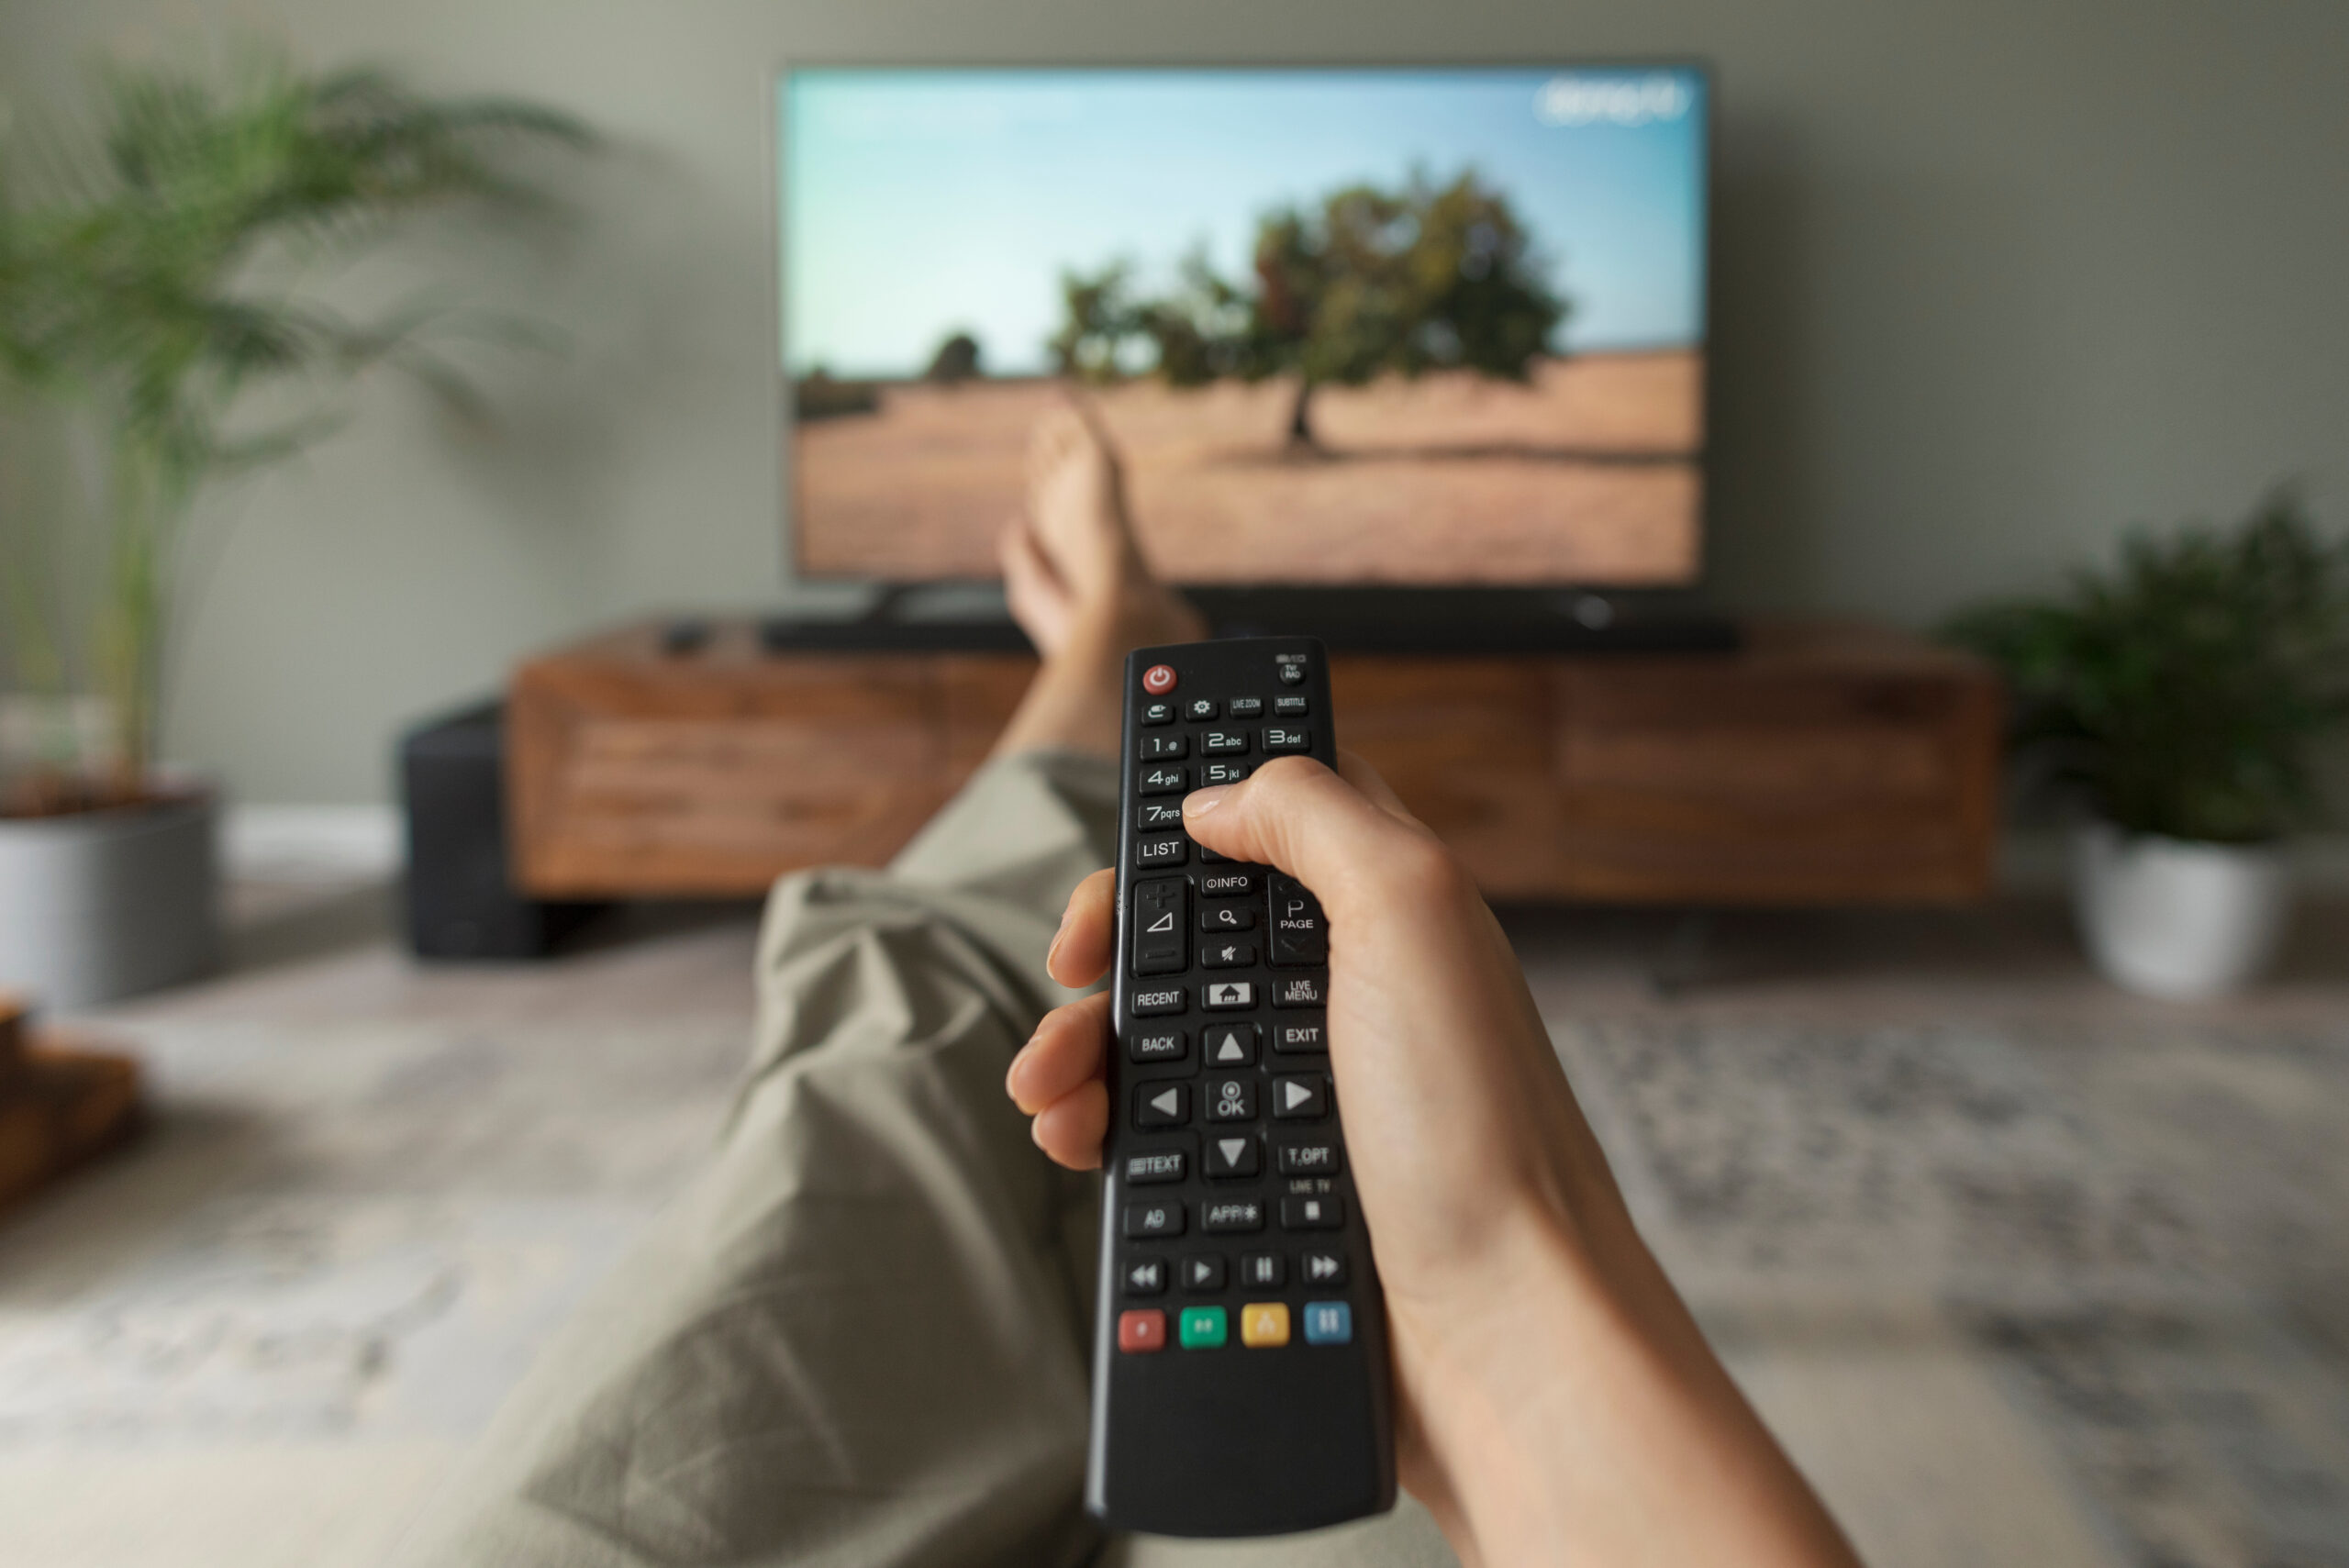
pixel 343 1232
pixel 2148 1233
pixel 363 1231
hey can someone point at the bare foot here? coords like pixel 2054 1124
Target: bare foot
pixel 1073 557
pixel 1078 586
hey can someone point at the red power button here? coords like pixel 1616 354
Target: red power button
pixel 1158 680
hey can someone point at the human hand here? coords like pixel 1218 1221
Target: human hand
pixel 1553 1393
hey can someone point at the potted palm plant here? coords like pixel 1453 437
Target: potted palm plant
pixel 159 289
pixel 2179 698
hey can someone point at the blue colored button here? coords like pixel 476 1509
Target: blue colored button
pixel 1329 1323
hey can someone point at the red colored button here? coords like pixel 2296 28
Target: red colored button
pixel 1143 1329
pixel 1158 680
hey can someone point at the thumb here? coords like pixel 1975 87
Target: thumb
pixel 1295 814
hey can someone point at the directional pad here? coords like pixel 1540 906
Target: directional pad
pixel 1229 1154
pixel 1231 1045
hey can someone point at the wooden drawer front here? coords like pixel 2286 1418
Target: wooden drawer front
pixel 1465 742
pixel 1782 790
pixel 713 780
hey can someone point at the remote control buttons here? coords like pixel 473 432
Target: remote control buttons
pixel 1159 1166
pixel 1301 990
pixel 1229 1099
pixel 1160 941
pixel 1158 813
pixel 1322 1268
pixel 1145 1276
pixel 1263 1325
pixel 1297 1035
pixel 1155 1045
pixel 1227 917
pixel 1222 774
pixel 1228 1157
pixel 1154 747
pixel 1217 954
pixel 1230 1045
pixel 1300 931
pixel 1158 713
pixel 1329 1323
pixel 1203 1328
pixel 1230 995
pixel 1301 1214
pixel 1290 667
pixel 1164 999
pixel 1164 780
pixel 1158 680
pixel 1161 1105
pixel 1278 737
pixel 1228 884
pixel 1153 854
pixel 1203 1272
pixel 1199 709
pixel 1264 1271
pixel 1232 1215
pixel 1301 1099
pixel 1289 707
pixel 1142 1330
pixel 1147 1220
pixel 1221 744
pixel 1310 1159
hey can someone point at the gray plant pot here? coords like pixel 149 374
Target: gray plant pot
pixel 107 904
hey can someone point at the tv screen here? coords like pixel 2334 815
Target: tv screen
pixel 1439 327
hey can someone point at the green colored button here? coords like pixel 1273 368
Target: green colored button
pixel 1203 1328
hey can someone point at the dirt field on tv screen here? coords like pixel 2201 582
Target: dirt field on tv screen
pixel 1588 474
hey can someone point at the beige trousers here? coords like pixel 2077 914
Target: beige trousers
pixel 860 1336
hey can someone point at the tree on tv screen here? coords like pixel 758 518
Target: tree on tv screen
pixel 1375 282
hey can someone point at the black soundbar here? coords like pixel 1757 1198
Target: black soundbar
pixel 1361 620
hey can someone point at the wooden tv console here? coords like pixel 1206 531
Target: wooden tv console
pixel 1821 763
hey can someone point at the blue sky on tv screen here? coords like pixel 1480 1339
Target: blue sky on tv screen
pixel 919 203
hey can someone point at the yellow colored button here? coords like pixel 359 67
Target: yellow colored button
pixel 1264 1323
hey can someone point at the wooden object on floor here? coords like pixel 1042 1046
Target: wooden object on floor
pixel 60 1104
pixel 1821 763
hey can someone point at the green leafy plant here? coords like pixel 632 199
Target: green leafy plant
pixel 2185 690
pixel 163 272
pixel 1375 282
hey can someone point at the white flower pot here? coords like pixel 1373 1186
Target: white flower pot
pixel 2177 919
pixel 105 904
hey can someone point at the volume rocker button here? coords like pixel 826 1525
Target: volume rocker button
pixel 1159 940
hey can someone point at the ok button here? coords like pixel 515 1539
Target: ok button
pixel 1229 1099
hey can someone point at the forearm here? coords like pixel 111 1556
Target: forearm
pixel 1577 1416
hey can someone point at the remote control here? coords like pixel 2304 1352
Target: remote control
pixel 1240 1372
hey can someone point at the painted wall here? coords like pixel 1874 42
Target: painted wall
pixel 1996 278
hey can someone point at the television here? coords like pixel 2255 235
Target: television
pixel 1438 327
